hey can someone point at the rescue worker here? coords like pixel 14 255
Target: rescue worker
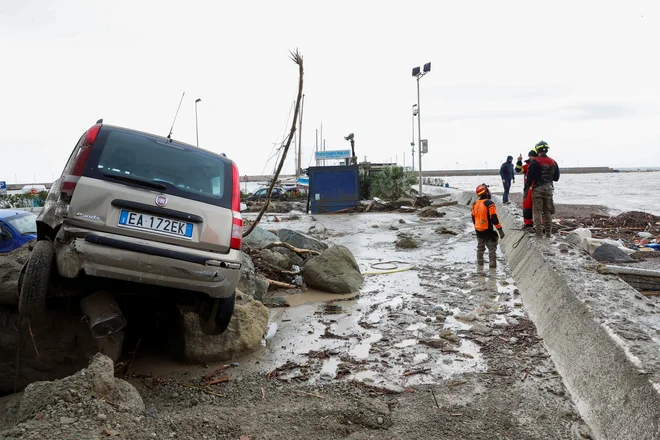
pixel 527 195
pixel 508 176
pixel 486 223
pixel 541 174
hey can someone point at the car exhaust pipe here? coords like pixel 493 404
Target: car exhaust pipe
pixel 103 314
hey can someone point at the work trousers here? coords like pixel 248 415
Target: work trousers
pixel 507 187
pixel 488 240
pixel 543 208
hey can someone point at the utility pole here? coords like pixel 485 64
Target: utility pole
pixel 414 113
pixel 298 166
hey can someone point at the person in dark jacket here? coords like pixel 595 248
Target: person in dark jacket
pixel 508 175
pixel 487 226
pixel 541 174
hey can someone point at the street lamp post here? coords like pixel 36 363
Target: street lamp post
pixel 196 125
pixel 418 73
pixel 412 144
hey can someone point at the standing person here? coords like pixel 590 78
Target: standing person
pixel 508 176
pixel 484 217
pixel 541 174
pixel 527 195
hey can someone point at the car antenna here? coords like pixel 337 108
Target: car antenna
pixel 169 136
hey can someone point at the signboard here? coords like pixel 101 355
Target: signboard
pixel 3 187
pixel 424 143
pixel 335 154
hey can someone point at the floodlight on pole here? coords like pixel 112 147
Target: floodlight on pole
pixel 418 73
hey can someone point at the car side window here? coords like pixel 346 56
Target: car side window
pixel 261 192
pixel 5 234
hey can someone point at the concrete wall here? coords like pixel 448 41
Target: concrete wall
pixel 603 335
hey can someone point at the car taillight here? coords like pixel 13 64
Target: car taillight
pixel 71 180
pixel 237 221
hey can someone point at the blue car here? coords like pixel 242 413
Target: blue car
pixel 16 228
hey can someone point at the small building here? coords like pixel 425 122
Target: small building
pixel 333 188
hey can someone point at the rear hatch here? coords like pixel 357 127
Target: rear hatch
pixel 144 186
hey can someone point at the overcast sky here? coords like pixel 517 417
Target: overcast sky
pixel 581 75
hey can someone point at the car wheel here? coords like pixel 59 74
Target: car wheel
pixel 215 314
pixel 36 279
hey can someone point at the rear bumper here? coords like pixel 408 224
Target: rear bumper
pixel 142 261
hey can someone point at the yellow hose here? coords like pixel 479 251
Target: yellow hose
pixel 381 272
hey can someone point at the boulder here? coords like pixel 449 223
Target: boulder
pixel 335 271
pixel 406 243
pixel 608 253
pixel 275 258
pixel 251 283
pixel 65 346
pixel 431 211
pixel 576 236
pixel 301 241
pixel 246 329
pixel 259 238
pixel 296 260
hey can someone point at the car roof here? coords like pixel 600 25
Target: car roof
pixel 144 133
pixel 8 213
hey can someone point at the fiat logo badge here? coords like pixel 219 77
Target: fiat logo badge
pixel 161 200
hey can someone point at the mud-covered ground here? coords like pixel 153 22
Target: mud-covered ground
pixel 436 349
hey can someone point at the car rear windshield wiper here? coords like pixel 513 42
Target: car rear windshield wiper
pixel 137 180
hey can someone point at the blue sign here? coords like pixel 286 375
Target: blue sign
pixel 3 187
pixel 335 154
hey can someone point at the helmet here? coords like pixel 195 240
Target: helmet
pixel 482 189
pixel 543 145
pixel 532 152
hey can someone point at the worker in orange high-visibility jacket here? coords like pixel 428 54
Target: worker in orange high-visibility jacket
pixel 487 225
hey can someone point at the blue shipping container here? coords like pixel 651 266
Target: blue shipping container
pixel 333 188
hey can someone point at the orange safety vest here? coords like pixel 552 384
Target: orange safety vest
pixel 484 215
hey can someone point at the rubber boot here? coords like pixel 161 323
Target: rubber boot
pixel 493 260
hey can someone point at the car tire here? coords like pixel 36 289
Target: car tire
pixel 36 280
pixel 215 315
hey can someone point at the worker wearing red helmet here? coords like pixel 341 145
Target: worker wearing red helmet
pixel 541 174
pixel 487 225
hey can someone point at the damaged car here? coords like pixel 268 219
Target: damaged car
pixel 140 208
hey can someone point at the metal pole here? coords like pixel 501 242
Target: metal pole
pixel 419 137
pixel 196 125
pixel 413 139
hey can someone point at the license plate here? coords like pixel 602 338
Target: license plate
pixel 152 223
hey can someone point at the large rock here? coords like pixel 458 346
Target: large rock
pixel 295 259
pixel 301 241
pixel 246 329
pixel 259 238
pixel 65 345
pixel 251 283
pixel 608 253
pixel 275 259
pixel 591 244
pixel 335 271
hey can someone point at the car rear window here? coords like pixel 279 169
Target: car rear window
pixel 182 170
pixel 24 223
